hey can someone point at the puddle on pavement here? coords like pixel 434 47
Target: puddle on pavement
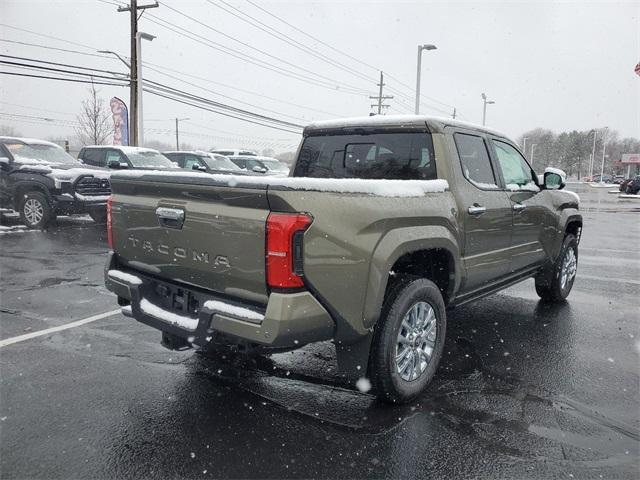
pixel 465 396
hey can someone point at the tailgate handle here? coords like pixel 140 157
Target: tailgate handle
pixel 170 217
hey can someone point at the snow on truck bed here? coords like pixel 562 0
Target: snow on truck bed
pixel 382 188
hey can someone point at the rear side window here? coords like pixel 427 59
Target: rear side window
pixel 93 156
pixel 398 156
pixel 475 162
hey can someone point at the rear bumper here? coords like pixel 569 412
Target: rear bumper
pixel 288 321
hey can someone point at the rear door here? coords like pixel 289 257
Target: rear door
pixel 528 208
pixel 485 211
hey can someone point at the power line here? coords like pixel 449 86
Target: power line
pixel 226 96
pixel 287 39
pixel 79 67
pixel 248 58
pixel 340 52
pixel 158 86
pixel 216 111
pixel 253 47
pixel 62 79
pixel 54 48
pixel 322 80
pixel 160 69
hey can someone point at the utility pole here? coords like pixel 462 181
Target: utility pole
pixel 133 74
pixel 381 98
pixel 454 113
pixel 177 139
pixel 524 144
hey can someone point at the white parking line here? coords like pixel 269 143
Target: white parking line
pixel 66 326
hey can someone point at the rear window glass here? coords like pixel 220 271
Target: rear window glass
pixel 474 158
pixel 398 156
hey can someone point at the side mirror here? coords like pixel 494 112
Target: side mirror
pixel 259 169
pixel 554 178
pixel 200 168
pixel 4 162
pixel 117 164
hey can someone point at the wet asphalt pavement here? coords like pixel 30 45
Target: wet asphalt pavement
pixel 525 390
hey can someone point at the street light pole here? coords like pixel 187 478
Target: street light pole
pixel 524 144
pixel 604 147
pixel 484 107
pixel 139 37
pixel 593 154
pixel 177 140
pixel 419 69
pixel 533 149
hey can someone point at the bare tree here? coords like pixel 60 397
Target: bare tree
pixel 95 120
pixel 9 131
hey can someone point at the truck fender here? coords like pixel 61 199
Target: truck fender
pixel 394 245
pixel 21 186
pixel 567 216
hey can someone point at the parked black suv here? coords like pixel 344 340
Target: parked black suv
pixel 117 157
pixel 40 181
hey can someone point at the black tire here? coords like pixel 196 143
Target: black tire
pixel 387 380
pixel 98 216
pixel 549 284
pixel 35 211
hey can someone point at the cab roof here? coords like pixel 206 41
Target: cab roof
pixel 124 148
pixel 433 124
pixel 27 141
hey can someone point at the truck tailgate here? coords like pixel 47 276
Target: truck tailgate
pixel 198 233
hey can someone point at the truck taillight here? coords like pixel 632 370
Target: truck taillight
pixel 109 223
pixel 284 249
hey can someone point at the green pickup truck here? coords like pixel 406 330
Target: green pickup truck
pixel 383 224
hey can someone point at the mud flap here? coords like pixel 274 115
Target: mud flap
pixel 353 357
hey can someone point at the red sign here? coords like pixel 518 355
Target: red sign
pixel 630 158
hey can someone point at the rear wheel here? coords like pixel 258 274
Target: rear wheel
pixel 555 284
pixel 35 211
pixel 408 343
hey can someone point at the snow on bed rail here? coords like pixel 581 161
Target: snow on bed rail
pixel 181 321
pixel 124 276
pixel 382 188
pixel 232 310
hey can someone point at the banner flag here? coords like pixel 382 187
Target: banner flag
pixel 120 122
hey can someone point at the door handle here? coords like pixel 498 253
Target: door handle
pixel 518 207
pixel 476 210
pixel 170 217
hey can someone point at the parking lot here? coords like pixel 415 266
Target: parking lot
pixel 525 389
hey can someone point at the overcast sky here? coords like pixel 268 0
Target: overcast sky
pixel 555 65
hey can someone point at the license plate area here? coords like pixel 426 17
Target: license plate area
pixel 174 298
